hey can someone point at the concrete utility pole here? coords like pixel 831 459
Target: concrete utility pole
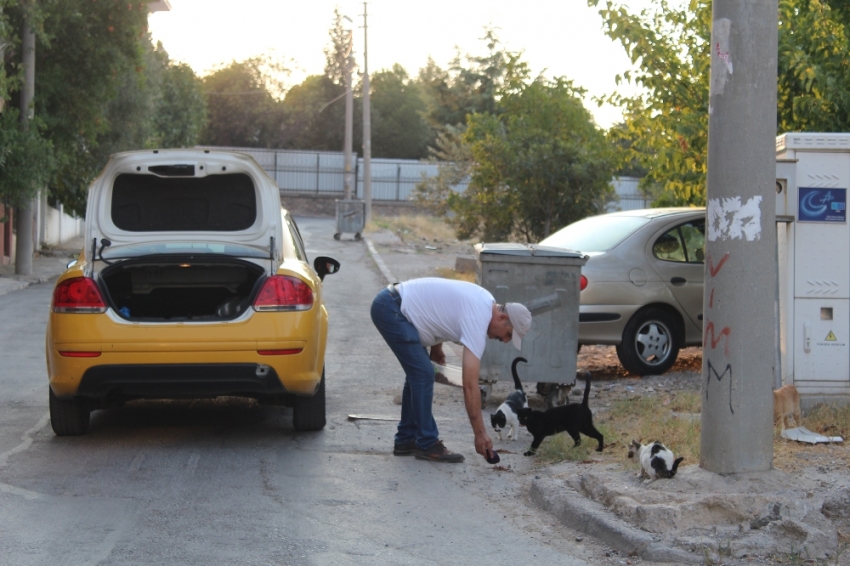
pixel 740 303
pixel 24 214
pixel 367 125
pixel 2 69
pixel 349 115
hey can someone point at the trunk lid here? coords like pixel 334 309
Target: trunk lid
pixel 183 202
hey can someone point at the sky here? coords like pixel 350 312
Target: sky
pixel 557 37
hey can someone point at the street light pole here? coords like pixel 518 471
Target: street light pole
pixel 349 113
pixel 367 126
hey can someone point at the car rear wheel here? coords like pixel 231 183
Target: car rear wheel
pixel 308 413
pixel 68 417
pixel 650 343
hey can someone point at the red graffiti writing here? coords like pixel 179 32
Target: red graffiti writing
pixel 709 329
pixel 712 270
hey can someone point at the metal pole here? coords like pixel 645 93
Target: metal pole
pixel 740 271
pixel 367 126
pixel 24 216
pixel 349 117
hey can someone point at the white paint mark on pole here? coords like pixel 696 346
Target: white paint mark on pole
pixel 728 219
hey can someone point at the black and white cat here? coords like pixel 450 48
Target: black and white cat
pixel 506 416
pixel 656 460
pixel 574 418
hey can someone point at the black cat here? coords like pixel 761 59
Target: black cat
pixel 574 418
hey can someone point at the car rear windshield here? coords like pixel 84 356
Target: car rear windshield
pixel 216 203
pixel 595 234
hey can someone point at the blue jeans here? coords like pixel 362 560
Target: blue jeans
pixel 417 419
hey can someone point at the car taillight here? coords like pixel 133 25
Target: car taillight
pixel 583 283
pixel 284 293
pixel 78 295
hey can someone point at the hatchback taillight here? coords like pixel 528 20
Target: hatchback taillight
pixel 284 293
pixel 583 283
pixel 78 295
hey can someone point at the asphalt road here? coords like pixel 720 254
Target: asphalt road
pixel 230 482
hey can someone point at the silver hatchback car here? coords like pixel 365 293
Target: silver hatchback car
pixel 642 286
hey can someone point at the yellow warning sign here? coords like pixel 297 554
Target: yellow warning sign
pixel 831 337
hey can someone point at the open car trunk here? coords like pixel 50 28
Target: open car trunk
pixel 181 288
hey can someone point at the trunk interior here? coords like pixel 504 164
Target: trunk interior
pixel 181 289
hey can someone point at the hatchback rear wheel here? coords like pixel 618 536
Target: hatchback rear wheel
pixel 308 413
pixel 68 417
pixel 650 343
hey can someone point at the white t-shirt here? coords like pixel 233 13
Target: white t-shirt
pixel 446 310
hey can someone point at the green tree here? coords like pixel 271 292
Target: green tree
pixel 538 164
pixel 471 83
pixel 314 115
pixel 241 106
pixel 338 53
pixel 399 129
pixel 665 130
pixel 180 112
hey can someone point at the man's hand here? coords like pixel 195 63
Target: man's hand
pixel 483 444
pixel 437 354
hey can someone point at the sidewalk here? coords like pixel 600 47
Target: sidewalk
pixel 46 265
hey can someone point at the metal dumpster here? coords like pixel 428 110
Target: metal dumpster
pixel 350 217
pixel 546 280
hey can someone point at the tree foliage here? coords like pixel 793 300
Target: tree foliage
pixel 314 115
pixel 99 90
pixel 398 126
pixel 241 108
pixel 665 130
pixel 539 164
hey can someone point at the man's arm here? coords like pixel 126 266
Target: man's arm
pixel 472 400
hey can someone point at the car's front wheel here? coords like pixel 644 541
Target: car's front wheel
pixel 308 413
pixel 650 343
pixel 68 417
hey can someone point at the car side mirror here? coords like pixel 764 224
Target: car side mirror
pixel 325 266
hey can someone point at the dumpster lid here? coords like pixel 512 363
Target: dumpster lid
pixel 529 250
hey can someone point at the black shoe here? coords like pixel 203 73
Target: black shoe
pixel 438 453
pixel 404 449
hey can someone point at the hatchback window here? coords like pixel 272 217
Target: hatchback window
pixel 216 203
pixel 595 234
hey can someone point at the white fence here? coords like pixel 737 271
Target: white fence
pixel 322 173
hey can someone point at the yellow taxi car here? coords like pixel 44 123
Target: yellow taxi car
pixel 194 283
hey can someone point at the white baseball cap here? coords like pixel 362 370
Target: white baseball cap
pixel 521 321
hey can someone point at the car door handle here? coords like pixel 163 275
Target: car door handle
pixel 678 281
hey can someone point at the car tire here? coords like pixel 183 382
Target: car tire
pixel 68 417
pixel 650 343
pixel 308 413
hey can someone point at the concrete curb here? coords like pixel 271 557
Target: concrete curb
pixel 582 514
pixel 9 284
pixel 385 271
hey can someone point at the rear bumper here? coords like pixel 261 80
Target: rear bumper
pixel 170 381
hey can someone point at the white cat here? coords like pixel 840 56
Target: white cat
pixel 656 460
pixel 506 415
